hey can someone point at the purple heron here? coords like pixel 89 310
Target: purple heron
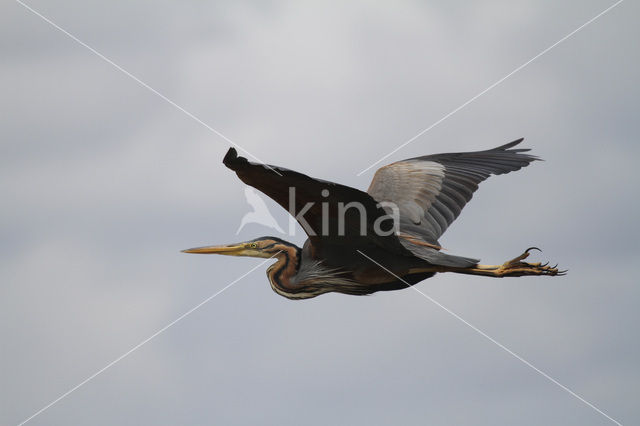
pixel 383 239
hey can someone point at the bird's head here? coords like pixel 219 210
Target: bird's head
pixel 264 247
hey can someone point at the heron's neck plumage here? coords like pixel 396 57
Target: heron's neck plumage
pixel 296 277
pixel 282 273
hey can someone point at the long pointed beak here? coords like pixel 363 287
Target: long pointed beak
pixel 230 250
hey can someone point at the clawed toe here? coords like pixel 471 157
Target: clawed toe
pixel 523 256
pixel 516 267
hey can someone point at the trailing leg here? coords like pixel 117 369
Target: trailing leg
pixel 511 268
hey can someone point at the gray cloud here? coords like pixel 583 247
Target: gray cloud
pixel 103 183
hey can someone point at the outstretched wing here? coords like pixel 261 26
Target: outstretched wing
pixel 431 191
pixel 310 200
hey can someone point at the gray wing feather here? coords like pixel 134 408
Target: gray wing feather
pixel 431 191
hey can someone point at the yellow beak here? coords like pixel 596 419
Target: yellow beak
pixel 230 250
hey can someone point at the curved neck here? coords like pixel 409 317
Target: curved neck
pixel 281 274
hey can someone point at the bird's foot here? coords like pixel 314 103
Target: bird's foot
pixel 517 268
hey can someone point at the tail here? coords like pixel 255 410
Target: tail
pixel 439 258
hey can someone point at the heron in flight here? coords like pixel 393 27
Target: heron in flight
pixel 383 239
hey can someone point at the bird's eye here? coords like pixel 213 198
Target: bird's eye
pixel 253 245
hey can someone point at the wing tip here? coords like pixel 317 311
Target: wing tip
pixel 232 160
pixel 507 148
pixel 511 145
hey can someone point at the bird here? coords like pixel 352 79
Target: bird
pixel 260 213
pixel 383 239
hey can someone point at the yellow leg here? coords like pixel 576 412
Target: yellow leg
pixel 512 268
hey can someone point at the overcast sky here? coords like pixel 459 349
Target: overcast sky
pixel 103 183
